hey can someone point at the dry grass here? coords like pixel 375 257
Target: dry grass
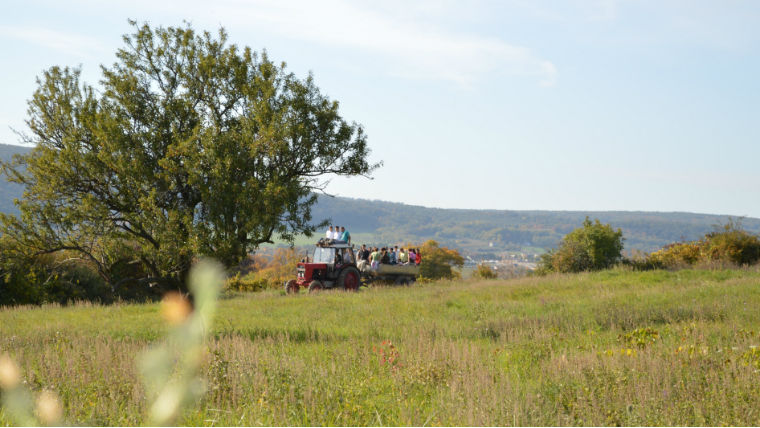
pixel 533 351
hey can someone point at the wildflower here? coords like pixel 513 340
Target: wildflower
pixel 175 308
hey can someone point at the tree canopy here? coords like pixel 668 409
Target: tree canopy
pixel 189 147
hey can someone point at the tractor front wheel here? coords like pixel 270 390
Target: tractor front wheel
pixel 315 287
pixel 349 279
pixel 291 287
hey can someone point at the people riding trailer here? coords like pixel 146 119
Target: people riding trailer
pixel 338 233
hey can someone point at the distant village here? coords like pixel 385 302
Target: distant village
pixel 505 264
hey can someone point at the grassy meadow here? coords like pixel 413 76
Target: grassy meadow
pixel 609 348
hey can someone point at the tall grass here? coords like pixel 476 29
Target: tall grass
pixel 608 348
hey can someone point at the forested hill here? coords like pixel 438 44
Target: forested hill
pixel 9 191
pixel 477 231
pixel 485 231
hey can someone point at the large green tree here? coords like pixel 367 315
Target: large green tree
pixel 189 146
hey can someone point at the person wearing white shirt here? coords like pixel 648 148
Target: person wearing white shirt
pixel 336 233
pixel 329 233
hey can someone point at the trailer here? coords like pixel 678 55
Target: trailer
pixel 397 274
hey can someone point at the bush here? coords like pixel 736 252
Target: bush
pixel 483 271
pixel 50 279
pixel 264 271
pixel 247 283
pixel 594 246
pixel 728 244
pixel 437 262
pixel 679 254
pixel 732 244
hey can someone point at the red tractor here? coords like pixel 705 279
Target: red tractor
pixel 333 265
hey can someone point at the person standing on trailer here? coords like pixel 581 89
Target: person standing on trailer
pixel 374 259
pixel 403 257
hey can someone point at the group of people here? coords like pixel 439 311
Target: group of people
pixel 338 233
pixel 388 256
pixel 373 256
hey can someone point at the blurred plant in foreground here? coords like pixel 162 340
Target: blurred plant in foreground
pixel 170 369
pixel 19 403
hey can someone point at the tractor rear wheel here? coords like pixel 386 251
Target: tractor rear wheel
pixel 349 279
pixel 291 287
pixel 316 286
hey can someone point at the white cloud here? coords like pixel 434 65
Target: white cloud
pixel 578 11
pixel 407 40
pixel 602 10
pixel 70 43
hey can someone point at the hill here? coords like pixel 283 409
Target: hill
pixel 478 233
pixel 489 232
pixel 611 348
pixel 9 191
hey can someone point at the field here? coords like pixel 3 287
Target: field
pixel 609 348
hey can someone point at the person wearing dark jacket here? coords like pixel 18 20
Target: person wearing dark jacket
pixel 364 253
pixel 384 257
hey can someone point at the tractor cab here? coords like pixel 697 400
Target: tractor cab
pixel 331 265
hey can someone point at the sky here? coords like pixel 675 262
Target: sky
pixel 584 105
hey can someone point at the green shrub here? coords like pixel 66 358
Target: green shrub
pixel 680 254
pixel 45 279
pixel 49 278
pixel 732 244
pixel 728 244
pixel 247 283
pixel 594 246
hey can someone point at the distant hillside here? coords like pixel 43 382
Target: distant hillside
pixel 482 233
pixel 9 191
pixel 493 231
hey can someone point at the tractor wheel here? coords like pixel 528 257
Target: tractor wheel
pixel 316 287
pixel 291 287
pixel 349 279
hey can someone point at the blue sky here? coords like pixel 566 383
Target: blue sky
pixel 514 104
